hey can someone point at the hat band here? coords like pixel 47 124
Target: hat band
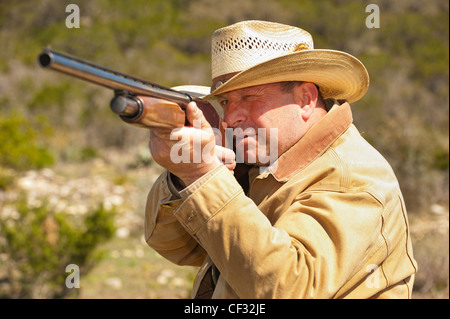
pixel 220 80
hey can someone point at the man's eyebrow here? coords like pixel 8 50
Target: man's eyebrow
pixel 221 96
pixel 256 90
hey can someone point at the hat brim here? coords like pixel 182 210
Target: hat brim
pixel 339 75
pixel 199 91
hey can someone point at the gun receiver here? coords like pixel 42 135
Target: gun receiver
pixel 168 106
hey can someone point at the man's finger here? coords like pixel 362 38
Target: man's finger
pixel 196 117
pixel 225 155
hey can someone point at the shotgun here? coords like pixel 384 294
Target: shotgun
pixel 166 110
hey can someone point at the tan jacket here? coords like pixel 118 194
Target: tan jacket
pixel 330 222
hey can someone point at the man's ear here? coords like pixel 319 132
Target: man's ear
pixel 306 96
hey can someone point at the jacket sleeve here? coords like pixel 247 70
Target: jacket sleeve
pixel 163 232
pixel 310 252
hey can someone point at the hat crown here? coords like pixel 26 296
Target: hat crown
pixel 245 44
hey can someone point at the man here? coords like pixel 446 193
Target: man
pixel 325 220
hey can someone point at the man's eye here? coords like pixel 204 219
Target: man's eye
pixel 223 102
pixel 250 97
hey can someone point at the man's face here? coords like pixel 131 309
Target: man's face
pixel 261 116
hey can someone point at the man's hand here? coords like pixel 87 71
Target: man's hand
pixel 189 152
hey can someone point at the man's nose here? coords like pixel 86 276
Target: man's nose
pixel 234 116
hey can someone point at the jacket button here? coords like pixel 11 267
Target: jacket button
pixel 191 216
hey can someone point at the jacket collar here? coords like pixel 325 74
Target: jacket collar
pixel 312 144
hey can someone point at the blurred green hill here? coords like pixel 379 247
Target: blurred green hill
pixel 405 113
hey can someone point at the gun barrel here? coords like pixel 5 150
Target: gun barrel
pixel 168 105
pixel 108 78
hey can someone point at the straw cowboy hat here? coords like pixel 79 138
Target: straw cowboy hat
pixel 255 52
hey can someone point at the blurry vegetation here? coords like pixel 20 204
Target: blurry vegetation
pixel 404 114
pixel 37 244
pixel 20 146
pixel 48 117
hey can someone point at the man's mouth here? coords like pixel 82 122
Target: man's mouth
pixel 239 135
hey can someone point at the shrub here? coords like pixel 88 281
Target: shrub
pixel 20 147
pixel 37 245
pixel 6 178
